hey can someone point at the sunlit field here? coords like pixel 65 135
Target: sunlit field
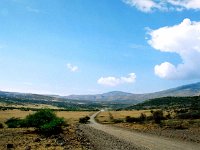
pixel 73 116
pixel 107 116
pixel 27 105
pixel 69 116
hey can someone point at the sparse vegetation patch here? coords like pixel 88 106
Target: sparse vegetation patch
pixel 84 120
pixel 44 120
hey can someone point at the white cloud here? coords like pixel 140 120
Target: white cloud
pixel 184 40
pixel 114 81
pixel 149 5
pixel 185 4
pixel 72 68
pixel 143 5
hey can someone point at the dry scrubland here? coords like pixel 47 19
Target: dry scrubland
pixel 73 116
pixel 184 129
pixel 73 138
pixel 28 138
pixel 70 116
pixel 107 116
pixel 35 106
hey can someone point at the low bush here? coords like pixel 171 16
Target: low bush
pixel 53 127
pixel 44 120
pixel 149 118
pixel 132 119
pixel 1 126
pixel 189 115
pixel 39 118
pixel 158 116
pixel 13 122
pixel 142 117
pixel 84 120
pixel 118 120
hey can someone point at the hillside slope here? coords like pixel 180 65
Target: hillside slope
pixel 118 96
pixel 110 97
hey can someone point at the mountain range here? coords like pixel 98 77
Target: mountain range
pixel 118 96
pixel 114 96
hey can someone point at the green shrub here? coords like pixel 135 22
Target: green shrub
pixel 39 118
pixel 53 127
pixel 45 121
pixel 84 119
pixel 13 122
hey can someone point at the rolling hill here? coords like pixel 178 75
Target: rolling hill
pixel 168 102
pixel 113 97
pixel 118 96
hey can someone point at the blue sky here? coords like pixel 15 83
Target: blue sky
pixel 90 46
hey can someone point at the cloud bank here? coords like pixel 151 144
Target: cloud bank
pixel 183 39
pixel 114 81
pixel 72 68
pixel 166 5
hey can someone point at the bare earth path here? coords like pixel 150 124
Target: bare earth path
pixel 105 137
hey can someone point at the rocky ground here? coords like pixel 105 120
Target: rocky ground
pixel 103 141
pixel 95 136
pixel 190 135
pixel 108 137
pixel 27 139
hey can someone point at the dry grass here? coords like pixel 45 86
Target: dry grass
pixel 73 116
pixel 6 114
pixel 137 126
pixel 22 138
pixel 24 105
pixel 104 117
pixel 134 113
pixel 69 116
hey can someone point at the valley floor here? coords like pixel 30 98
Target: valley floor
pixel 106 137
pixel 95 136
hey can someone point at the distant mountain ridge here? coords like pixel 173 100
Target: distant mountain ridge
pixel 114 96
pixel 181 91
pixel 110 96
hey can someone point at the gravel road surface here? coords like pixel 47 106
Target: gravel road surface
pixel 105 137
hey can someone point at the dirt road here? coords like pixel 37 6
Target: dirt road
pixel 105 137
